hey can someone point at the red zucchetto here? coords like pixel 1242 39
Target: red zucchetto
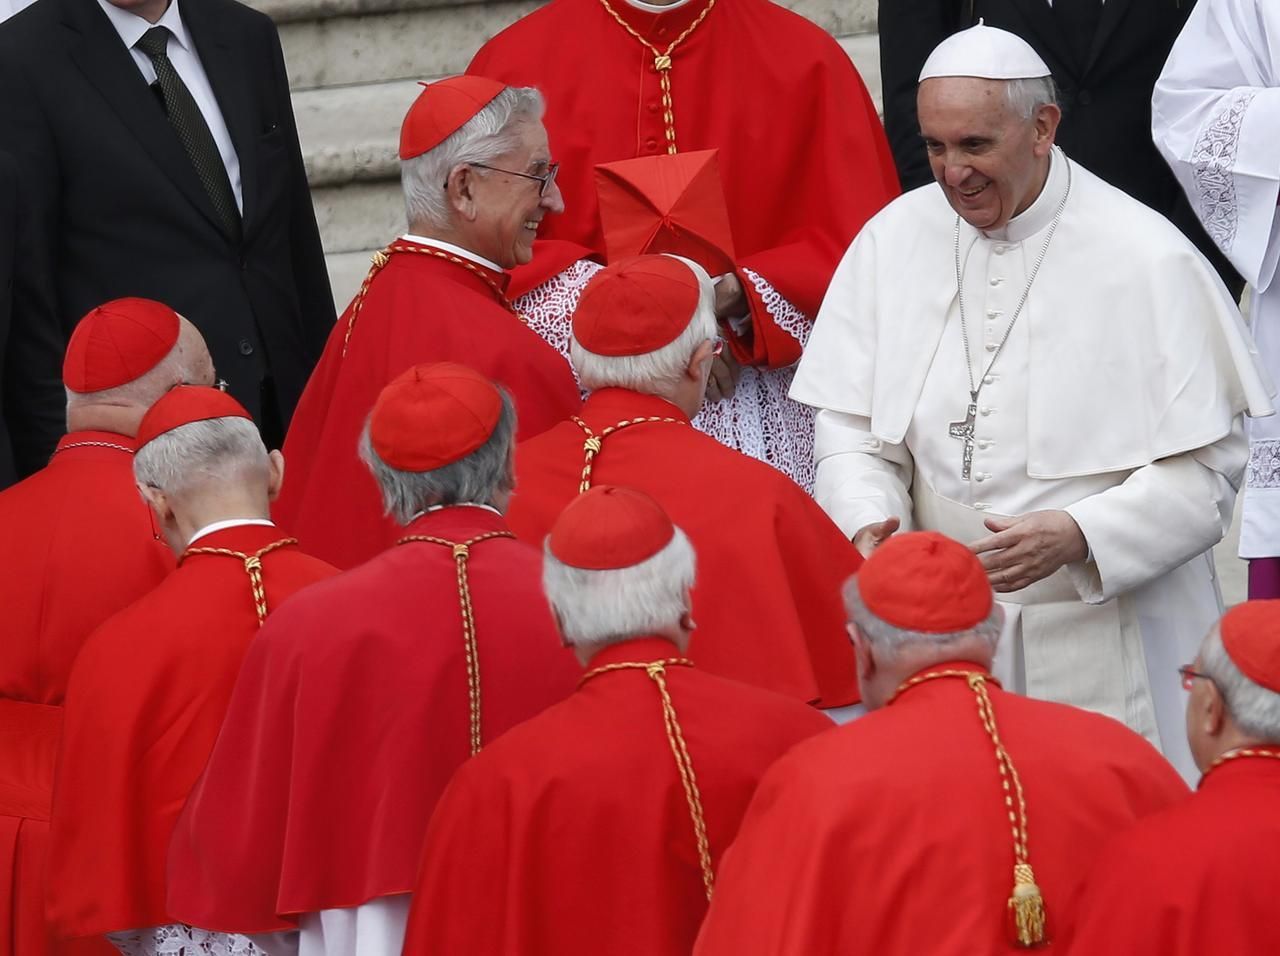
pixel 117 343
pixel 925 581
pixel 184 405
pixel 443 108
pixel 608 528
pixel 433 415
pixel 636 306
pixel 1251 637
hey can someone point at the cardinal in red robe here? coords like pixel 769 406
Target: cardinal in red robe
pixel 88 548
pixel 597 826
pixel 1202 877
pixel 359 701
pixel 437 293
pixel 768 599
pixel 955 818
pixel 149 689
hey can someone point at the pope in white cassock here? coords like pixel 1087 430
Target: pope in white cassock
pixel 1031 362
pixel 1216 120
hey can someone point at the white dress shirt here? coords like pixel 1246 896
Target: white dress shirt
pixel 229 523
pixel 182 54
pixel 458 251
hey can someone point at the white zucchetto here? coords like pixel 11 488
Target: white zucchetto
pixel 987 53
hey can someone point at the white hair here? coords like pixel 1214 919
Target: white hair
pixel 605 607
pixel 890 638
pixel 476 479
pixel 657 372
pixel 1253 708
pixel 216 450
pixel 491 133
pixel 1027 96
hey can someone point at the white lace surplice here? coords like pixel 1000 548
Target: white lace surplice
pixel 178 939
pixel 759 420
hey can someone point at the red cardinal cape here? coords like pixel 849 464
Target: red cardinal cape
pixel 902 812
pixel 350 716
pixel 147 695
pixel 803 156
pixel 770 563
pixel 572 835
pixel 1200 878
pixel 81 547
pixel 419 308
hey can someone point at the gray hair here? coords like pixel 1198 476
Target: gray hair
pixel 1253 708
pixel 216 450
pixel 489 134
pixel 1026 96
pixel 476 479
pixel 889 638
pixel 654 373
pixel 605 607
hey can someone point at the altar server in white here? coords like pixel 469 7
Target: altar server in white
pixel 1028 360
pixel 1216 119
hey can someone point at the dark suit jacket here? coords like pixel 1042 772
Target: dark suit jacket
pixel 1106 99
pixel 119 210
pixel 32 405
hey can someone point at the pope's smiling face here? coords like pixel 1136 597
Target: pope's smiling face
pixel 989 159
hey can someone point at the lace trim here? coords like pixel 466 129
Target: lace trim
pixel 785 315
pixel 178 939
pixel 1213 163
pixel 1264 463
pixel 759 420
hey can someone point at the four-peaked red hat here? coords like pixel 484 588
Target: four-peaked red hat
pixel 433 415
pixel 925 581
pixel 183 405
pixel 443 108
pixel 1251 637
pixel 636 306
pixel 608 528
pixel 117 343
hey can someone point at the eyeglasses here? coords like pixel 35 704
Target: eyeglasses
pixel 1189 674
pixel 545 180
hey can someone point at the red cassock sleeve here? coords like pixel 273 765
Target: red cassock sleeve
pixel 803 156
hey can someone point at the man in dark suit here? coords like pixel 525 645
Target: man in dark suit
pixel 32 404
pixel 1105 56
pixel 157 144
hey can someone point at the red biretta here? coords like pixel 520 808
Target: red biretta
pixel 955 818
pixel 426 299
pixel 83 546
pixel 1202 877
pixel 768 598
pixel 149 690
pixel 357 703
pixel 597 826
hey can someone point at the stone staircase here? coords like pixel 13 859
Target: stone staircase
pixel 354 66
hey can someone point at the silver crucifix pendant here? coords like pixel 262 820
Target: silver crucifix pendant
pixel 963 430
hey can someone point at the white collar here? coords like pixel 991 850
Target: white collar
pixel 228 523
pixel 460 504
pixel 131 27
pixel 448 246
pixel 1040 213
pixel 657 7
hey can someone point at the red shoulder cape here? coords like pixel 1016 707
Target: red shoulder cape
pixel 146 697
pixel 349 718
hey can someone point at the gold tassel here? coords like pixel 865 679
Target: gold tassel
pixel 1027 906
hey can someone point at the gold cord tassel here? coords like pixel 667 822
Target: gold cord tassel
pixel 1026 906
pixel 252 567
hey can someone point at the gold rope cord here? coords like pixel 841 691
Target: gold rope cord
pixel 252 567
pixel 1236 755
pixel 679 750
pixel 591 447
pixel 1025 903
pixel 461 552
pixel 383 256
pixel 662 63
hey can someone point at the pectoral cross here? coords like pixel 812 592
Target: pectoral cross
pixel 963 430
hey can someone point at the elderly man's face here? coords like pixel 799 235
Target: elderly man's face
pixel 510 208
pixel 988 160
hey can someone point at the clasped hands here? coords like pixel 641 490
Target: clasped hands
pixel 1019 552
pixel 731 303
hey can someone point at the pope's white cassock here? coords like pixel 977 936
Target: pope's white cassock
pixel 1117 397
pixel 1216 120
